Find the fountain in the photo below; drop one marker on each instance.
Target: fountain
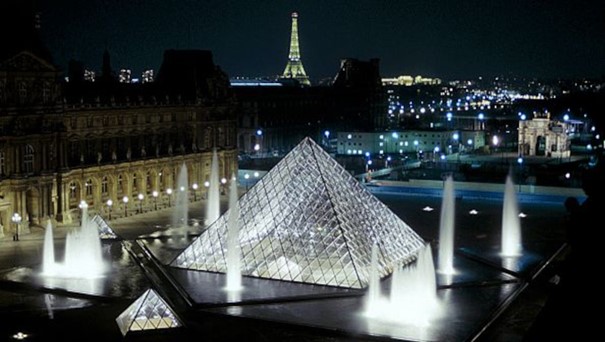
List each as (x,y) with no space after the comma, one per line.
(413,297)
(374,285)
(234,276)
(48,251)
(213,206)
(181,211)
(511,226)
(446,229)
(83,255)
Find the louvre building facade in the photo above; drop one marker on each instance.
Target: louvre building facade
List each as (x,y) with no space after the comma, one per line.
(117,146)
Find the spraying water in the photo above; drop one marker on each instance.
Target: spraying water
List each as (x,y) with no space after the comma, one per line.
(180,217)
(234,276)
(48,252)
(213,206)
(374,285)
(83,254)
(511,226)
(413,298)
(446,229)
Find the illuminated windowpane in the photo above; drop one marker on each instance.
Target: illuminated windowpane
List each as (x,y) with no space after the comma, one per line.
(148,312)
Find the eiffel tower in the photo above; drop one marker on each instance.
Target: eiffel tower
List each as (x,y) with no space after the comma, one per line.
(294,68)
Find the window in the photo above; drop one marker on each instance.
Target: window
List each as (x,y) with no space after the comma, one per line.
(2,163)
(148,182)
(134,183)
(88,187)
(72,190)
(120,189)
(104,185)
(28,159)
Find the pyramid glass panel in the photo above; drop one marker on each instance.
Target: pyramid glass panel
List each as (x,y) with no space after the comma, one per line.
(105,232)
(148,312)
(308,220)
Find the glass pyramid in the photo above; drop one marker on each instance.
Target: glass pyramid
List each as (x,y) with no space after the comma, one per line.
(148,312)
(308,220)
(105,232)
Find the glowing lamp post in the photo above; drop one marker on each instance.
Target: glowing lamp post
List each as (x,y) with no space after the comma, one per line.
(140,197)
(125,200)
(194,186)
(207,186)
(246,177)
(155,199)
(16,220)
(109,204)
(520,162)
(169,193)
(223,182)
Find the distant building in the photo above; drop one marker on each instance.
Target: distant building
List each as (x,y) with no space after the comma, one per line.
(147,76)
(406,80)
(103,142)
(89,75)
(542,136)
(286,113)
(408,141)
(125,76)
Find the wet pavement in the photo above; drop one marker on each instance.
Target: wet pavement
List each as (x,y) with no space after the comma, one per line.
(50,313)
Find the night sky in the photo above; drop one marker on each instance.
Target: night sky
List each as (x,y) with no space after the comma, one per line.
(438,38)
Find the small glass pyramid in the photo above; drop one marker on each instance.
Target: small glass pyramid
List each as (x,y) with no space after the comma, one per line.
(105,232)
(308,220)
(148,312)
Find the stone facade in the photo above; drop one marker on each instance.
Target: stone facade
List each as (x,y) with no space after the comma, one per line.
(542,136)
(61,144)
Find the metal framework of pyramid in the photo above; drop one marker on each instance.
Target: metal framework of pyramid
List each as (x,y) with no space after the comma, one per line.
(105,232)
(308,220)
(148,312)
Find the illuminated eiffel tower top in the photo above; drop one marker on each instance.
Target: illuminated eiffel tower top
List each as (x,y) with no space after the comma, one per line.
(294,68)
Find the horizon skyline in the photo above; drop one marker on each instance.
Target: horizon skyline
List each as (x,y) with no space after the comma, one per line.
(431,38)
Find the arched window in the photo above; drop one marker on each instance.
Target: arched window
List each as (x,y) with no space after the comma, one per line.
(120,185)
(28,159)
(148,182)
(72,190)
(104,186)
(2,163)
(134,183)
(88,187)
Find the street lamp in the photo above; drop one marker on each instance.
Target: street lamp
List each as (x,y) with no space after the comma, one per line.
(17,220)
(246,177)
(194,186)
(155,199)
(109,204)
(169,193)
(520,162)
(125,200)
(140,196)
(207,186)
(223,182)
